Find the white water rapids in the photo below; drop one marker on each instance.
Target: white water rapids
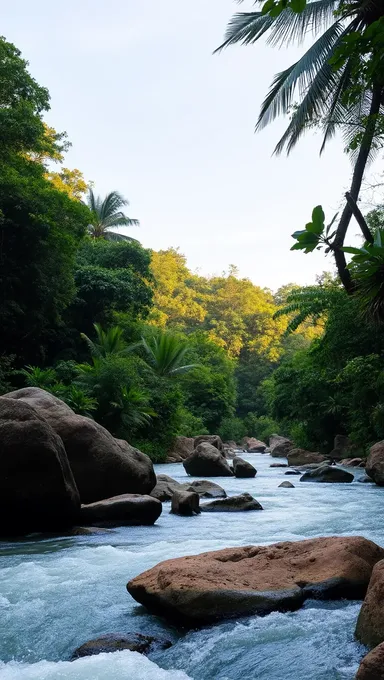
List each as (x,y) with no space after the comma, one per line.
(56,594)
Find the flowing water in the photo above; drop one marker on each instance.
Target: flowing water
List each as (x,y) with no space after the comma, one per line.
(56,594)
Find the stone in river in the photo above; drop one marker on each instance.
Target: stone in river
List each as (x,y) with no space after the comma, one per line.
(243,581)
(115,642)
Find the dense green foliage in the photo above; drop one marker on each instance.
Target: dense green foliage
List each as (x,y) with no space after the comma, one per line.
(151,350)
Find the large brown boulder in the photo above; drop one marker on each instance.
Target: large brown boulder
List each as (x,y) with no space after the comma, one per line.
(212,439)
(353,462)
(207,461)
(279,446)
(342,447)
(185,503)
(372,666)
(375,463)
(303,457)
(242,503)
(182,447)
(126,510)
(327,474)
(234,582)
(115,642)
(253,445)
(165,488)
(37,488)
(242,468)
(102,465)
(207,489)
(370,624)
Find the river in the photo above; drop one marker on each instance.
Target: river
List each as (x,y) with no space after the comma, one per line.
(56,594)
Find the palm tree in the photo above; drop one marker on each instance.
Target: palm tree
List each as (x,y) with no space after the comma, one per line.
(108,342)
(322,88)
(107,213)
(166,354)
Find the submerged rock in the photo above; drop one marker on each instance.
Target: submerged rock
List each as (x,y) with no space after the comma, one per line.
(116,642)
(207,461)
(292,472)
(375,463)
(353,462)
(202,589)
(241,503)
(372,666)
(185,503)
(279,446)
(278,465)
(370,623)
(329,474)
(286,485)
(125,510)
(37,488)
(303,457)
(242,468)
(101,465)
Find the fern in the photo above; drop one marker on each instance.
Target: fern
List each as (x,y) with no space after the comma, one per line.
(309,303)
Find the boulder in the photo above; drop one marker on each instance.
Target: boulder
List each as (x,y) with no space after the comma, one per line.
(229,453)
(243,581)
(253,445)
(37,488)
(278,465)
(182,447)
(327,473)
(370,623)
(241,503)
(207,489)
(342,446)
(207,461)
(372,666)
(375,463)
(242,468)
(125,510)
(212,439)
(102,465)
(166,487)
(352,462)
(286,485)
(115,642)
(279,446)
(185,503)
(302,457)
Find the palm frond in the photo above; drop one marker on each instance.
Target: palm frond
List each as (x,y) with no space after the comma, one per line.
(300,75)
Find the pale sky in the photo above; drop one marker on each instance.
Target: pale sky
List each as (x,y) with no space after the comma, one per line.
(151,113)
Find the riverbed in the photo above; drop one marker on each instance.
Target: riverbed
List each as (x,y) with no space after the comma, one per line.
(57,593)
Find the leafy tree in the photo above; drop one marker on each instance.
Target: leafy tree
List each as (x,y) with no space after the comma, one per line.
(40,230)
(339,79)
(22,102)
(72,182)
(106,214)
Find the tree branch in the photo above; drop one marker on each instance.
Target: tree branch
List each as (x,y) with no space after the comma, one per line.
(360,219)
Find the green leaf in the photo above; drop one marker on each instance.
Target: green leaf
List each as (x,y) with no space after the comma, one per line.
(298,5)
(267,6)
(297,234)
(298,246)
(318,217)
(353,251)
(314,228)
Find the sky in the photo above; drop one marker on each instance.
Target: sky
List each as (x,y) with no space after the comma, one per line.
(152,113)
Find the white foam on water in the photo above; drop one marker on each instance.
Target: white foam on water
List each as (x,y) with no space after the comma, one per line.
(118,666)
(56,594)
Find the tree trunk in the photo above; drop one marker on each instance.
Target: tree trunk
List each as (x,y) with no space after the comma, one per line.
(357,178)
